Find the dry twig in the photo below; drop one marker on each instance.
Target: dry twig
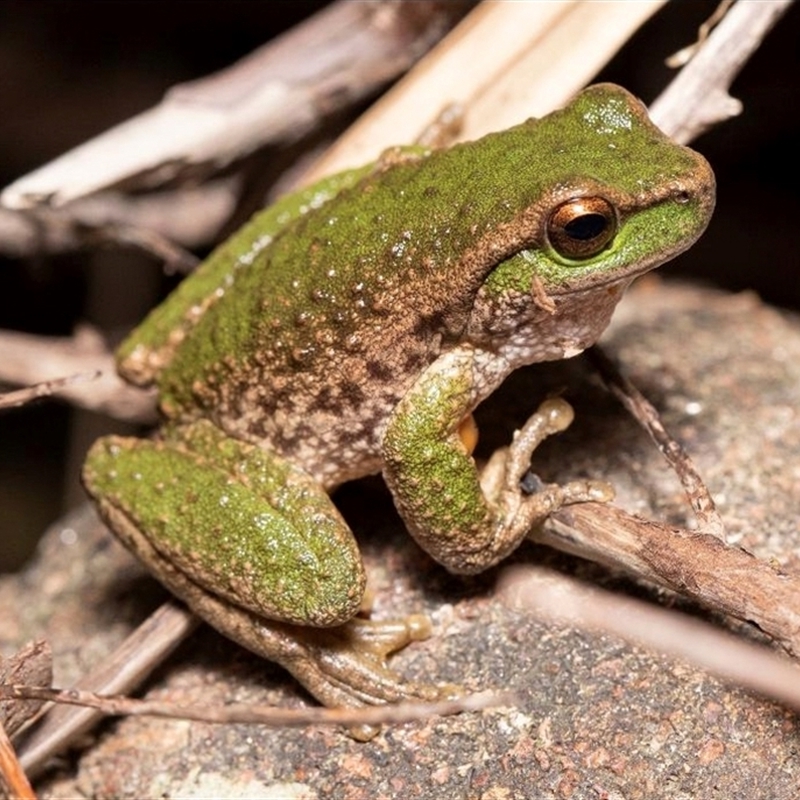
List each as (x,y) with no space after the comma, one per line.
(703,506)
(348,51)
(30,359)
(698,98)
(149,644)
(696,565)
(11,773)
(566,601)
(45,389)
(33,664)
(259,715)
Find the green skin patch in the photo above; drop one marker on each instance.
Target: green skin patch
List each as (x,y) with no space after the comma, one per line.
(422,440)
(253,528)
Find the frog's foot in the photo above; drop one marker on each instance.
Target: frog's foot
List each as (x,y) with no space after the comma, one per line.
(525,500)
(340,666)
(346,666)
(507,475)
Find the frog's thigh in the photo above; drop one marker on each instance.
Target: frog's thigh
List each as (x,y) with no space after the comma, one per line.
(238,521)
(430,471)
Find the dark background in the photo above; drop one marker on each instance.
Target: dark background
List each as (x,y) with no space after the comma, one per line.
(69,70)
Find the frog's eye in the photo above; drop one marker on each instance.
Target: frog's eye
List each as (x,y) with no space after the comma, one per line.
(582,227)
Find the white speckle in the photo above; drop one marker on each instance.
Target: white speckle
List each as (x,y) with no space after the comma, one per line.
(693,408)
(514,721)
(68,536)
(222,786)
(224,500)
(258,245)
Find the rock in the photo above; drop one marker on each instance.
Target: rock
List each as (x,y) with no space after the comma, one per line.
(597,718)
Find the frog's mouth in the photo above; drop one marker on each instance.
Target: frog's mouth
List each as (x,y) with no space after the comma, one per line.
(630,256)
(592,280)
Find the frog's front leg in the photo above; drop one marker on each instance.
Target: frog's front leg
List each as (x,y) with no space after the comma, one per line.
(255,547)
(466,521)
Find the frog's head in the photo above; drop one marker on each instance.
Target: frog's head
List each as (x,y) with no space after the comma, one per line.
(612,197)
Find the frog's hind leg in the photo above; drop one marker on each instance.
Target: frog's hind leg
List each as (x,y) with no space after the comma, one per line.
(240,521)
(257,549)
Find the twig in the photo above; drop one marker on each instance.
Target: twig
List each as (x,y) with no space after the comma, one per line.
(176,259)
(530,69)
(32,664)
(348,51)
(686,54)
(190,215)
(11,772)
(696,565)
(31,359)
(45,389)
(708,518)
(259,714)
(146,648)
(698,98)
(566,601)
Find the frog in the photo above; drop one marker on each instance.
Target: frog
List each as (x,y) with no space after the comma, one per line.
(352,328)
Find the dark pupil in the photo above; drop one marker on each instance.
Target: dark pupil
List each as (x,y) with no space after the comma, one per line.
(586,226)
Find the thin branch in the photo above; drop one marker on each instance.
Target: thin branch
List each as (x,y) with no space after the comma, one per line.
(696,565)
(640,408)
(566,601)
(22,397)
(190,215)
(11,772)
(272,95)
(698,98)
(131,662)
(31,664)
(259,714)
(530,69)
(31,359)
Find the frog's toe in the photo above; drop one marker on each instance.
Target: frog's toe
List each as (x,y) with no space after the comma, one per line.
(383,637)
(587,492)
(347,665)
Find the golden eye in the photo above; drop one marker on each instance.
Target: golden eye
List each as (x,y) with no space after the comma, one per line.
(582,227)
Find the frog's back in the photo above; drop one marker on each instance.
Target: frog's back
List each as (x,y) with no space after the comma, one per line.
(304,339)
(311,352)
(309,346)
